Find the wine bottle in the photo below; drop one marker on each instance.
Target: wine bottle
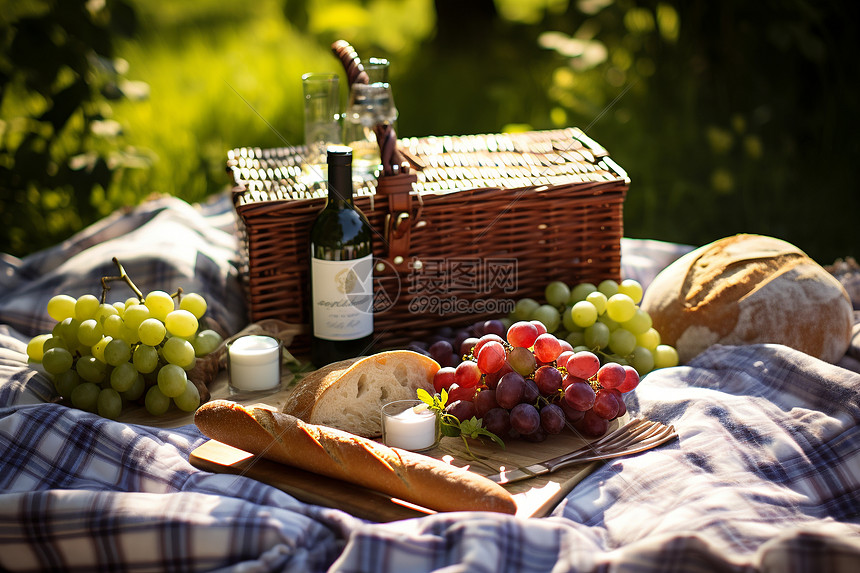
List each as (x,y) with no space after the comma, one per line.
(341,245)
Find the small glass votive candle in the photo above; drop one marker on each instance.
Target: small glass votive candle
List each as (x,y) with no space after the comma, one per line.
(410,425)
(254,363)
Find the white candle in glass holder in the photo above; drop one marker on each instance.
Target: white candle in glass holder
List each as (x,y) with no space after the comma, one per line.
(408,427)
(254,363)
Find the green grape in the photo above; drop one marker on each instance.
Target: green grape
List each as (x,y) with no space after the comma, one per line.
(120,308)
(598,299)
(631,288)
(85,396)
(159,303)
(89,332)
(648,339)
(61,307)
(194,303)
(132,300)
(122,377)
(190,366)
(189,400)
(130,335)
(145,358)
(134,315)
(105,310)
(136,390)
(36,347)
(117,351)
(567,320)
(156,402)
(66,382)
(178,351)
(171,380)
(608,287)
(611,324)
(112,326)
(642,360)
(576,338)
(522,361)
(583,314)
(639,324)
(620,307)
(57,360)
(54,342)
(579,292)
(206,342)
(548,315)
(524,308)
(596,336)
(86,307)
(151,331)
(98,349)
(91,369)
(665,356)
(557,293)
(68,329)
(181,323)
(622,341)
(109,404)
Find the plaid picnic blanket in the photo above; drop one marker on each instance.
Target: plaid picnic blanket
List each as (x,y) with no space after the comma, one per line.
(765,475)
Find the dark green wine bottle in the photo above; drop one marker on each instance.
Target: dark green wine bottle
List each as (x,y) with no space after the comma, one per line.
(341,292)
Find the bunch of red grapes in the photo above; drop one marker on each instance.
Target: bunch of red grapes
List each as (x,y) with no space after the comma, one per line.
(528,383)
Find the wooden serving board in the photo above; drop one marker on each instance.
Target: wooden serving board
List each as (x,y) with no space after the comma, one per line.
(535,497)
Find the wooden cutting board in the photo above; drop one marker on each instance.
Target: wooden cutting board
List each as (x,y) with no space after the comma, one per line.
(535,497)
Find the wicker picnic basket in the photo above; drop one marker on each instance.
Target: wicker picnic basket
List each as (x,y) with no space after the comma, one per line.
(467,226)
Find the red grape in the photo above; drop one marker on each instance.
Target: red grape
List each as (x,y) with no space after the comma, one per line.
(461,409)
(443,378)
(622,407)
(592,425)
(579,395)
(541,327)
(631,380)
(493,378)
(565,345)
(485,339)
(525,418)
(583,364)
(491,356)
(568,380)
(498,421)
(509,390)
(552,419)
(611,375)
(485,400)
(467,374)
(561,359)
(605,404)
(547,347)
(548,380)
(455,393)
(522,334)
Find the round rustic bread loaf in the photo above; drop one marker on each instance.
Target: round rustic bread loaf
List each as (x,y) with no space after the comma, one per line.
(749,289)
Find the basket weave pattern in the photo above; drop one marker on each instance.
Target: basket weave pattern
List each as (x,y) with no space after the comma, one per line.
(480,222)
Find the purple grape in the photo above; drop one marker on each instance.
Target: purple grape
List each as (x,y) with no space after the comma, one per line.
(571,413)
(494,327)
(485,400)
(440,350)
(579,395)
(552,418)
(510,389)
(498,421)
(467,344)
(461,409)
(592,425)
(530,392)
(525,419)
(548,380)
(605,404)
(537,436)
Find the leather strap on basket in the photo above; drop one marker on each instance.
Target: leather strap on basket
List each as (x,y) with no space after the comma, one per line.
(395,182)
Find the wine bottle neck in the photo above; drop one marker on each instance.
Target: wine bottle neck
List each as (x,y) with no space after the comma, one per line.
(340,175)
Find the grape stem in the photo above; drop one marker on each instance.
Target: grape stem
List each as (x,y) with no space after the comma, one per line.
(123,276)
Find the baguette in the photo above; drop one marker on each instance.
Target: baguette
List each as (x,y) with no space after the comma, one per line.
(409,476)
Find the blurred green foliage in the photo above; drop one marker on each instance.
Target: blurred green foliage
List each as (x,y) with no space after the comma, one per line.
(729,116)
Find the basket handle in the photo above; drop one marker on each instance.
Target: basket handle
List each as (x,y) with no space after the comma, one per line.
(395,182)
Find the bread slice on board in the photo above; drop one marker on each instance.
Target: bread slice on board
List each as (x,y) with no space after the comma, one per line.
(349,395)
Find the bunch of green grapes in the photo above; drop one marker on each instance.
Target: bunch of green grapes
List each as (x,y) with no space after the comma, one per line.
(605,319)
(102,356)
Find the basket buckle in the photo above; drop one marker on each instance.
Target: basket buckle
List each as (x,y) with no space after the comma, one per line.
(398,221)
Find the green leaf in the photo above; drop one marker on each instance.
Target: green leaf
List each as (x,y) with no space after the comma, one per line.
(425,397)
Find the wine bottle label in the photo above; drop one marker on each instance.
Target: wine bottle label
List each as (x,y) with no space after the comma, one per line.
(342,298)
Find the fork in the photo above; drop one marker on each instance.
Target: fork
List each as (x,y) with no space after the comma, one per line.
(634,437)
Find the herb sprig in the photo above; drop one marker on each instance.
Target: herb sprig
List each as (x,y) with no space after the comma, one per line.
(451,426)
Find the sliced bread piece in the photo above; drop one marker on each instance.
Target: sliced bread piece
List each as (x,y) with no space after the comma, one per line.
(349,395)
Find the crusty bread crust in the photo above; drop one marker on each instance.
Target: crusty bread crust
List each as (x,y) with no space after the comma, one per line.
(749,289)
(349,395)
(409,476)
